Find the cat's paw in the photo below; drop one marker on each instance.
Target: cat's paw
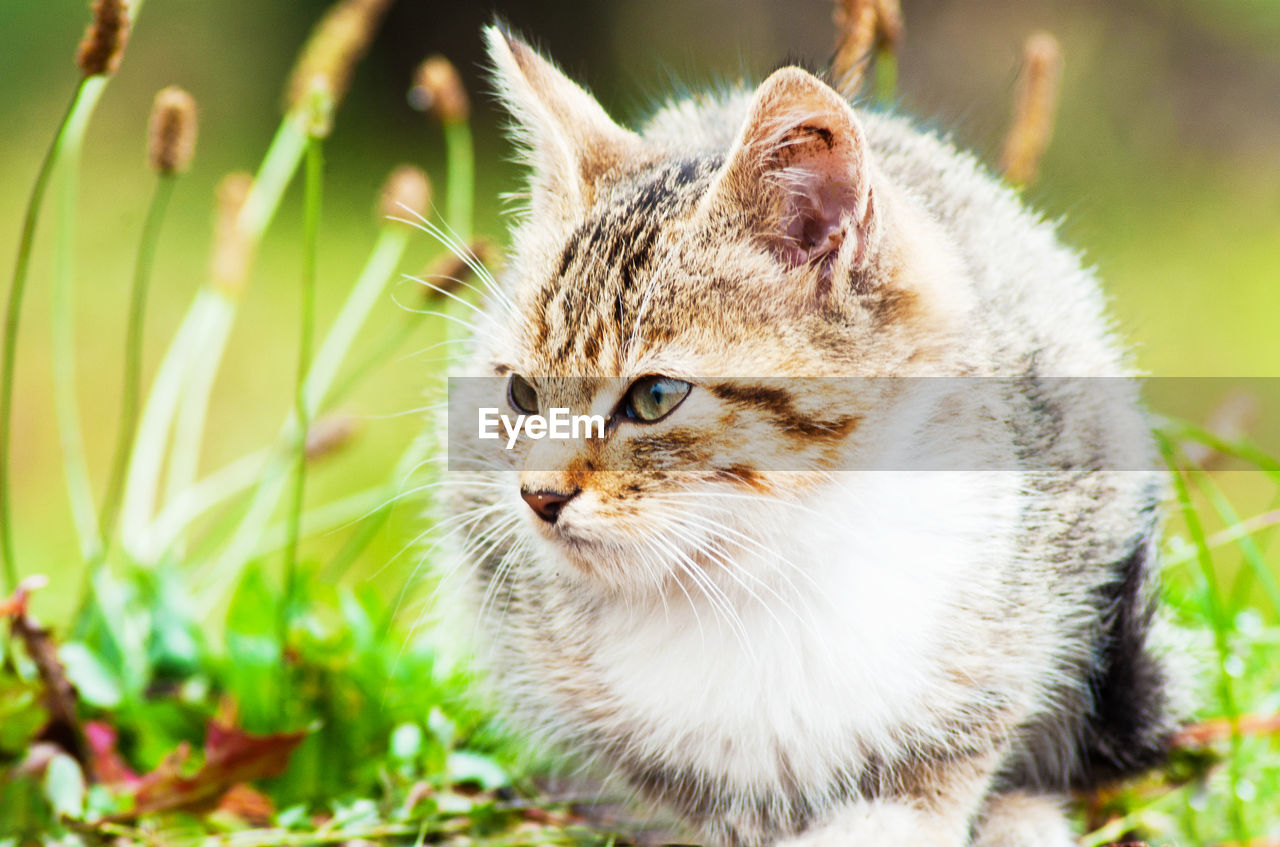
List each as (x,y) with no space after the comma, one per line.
(1018,819)
(880,824)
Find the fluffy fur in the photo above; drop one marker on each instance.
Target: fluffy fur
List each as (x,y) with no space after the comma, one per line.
(734,614)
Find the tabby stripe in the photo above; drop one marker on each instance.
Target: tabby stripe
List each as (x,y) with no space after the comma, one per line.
(778,403)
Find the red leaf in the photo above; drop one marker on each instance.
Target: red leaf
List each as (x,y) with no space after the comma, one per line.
(231,756)
(105,761)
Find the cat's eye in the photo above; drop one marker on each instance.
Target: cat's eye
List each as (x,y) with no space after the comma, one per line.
(652,398)
(522,396)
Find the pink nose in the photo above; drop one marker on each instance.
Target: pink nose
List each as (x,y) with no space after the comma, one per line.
(547,504)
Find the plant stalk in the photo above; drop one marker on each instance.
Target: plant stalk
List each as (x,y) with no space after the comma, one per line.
(193,408)
(1220,620)
(272,479)
(131,392)
(200,334)
(461,182)
(77,112)
(66,405)
(311,243)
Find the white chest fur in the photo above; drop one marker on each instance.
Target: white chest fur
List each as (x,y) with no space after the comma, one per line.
(835,640)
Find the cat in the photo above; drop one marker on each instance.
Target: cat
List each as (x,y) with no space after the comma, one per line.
(718,602)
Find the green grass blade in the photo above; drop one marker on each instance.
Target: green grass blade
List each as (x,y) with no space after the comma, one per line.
(80,105)
(461,180)
(75,466)
(1252,554)
(312,199)
(1219,620)
(132,384)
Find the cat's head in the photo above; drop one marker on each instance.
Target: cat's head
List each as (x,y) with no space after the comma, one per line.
(690,294)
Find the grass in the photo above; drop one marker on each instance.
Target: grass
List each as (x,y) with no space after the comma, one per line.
(314,157)
(69,131)
(320,713)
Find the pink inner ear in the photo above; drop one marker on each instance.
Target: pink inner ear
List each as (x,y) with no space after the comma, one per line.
(819,181)
(817,211)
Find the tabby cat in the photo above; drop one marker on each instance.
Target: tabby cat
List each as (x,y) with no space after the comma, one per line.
(753,600)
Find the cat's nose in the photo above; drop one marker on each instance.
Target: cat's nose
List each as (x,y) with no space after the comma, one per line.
(547,504)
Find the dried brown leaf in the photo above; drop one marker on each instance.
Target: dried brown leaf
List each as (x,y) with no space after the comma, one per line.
(249,805)
(231,756)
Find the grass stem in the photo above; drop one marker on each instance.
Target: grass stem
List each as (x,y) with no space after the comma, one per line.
(313,194)
(130,395)
(387,498)
(193,409)
(157,416)
(352,315)
(77,113)
(1220,620)
(886,83)
(460,184)
(393,240)
(63,354)
(203,334)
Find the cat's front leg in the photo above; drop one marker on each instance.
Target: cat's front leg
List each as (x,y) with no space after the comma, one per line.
(885,823)
(1019,819)
(935,806)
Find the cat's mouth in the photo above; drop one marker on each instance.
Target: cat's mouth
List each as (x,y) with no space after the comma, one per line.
(569,536)
(628,555)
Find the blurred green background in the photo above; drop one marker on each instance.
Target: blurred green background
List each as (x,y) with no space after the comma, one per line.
(1165,169)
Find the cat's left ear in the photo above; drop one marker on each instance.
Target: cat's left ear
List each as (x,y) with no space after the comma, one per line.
(570,141)
(800,176)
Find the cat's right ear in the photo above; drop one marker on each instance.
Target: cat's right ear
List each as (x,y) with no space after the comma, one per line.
(569,140)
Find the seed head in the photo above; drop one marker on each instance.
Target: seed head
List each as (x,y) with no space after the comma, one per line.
(171,131)
(437,88)
(336,44)
(1233,419)
(889,23)
(104,40)
(862,28)
(856,38)
(330,434)
(232,248)
(448,272)
(407,187)
(1033,109)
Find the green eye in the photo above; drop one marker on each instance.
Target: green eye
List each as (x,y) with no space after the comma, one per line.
(652,398)
(521,395)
